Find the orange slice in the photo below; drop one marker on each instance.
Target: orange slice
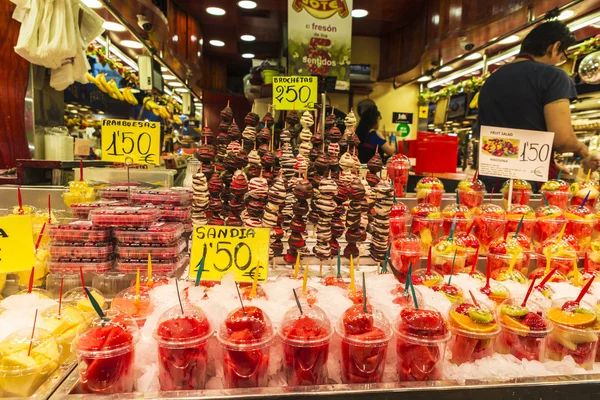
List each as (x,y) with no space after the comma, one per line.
(570,319)
(466,323)
(512,323)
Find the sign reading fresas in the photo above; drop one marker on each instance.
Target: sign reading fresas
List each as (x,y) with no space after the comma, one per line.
(122,138)
(16,244)
(295,92)
(515,153)
(227,249)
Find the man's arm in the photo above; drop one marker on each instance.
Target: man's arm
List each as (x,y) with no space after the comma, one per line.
(558,120)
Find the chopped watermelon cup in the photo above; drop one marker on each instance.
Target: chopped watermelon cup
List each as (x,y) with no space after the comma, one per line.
(549,222)
(365,337)
(513,219)
(427,220)
(557,193)
(580,223)
(430,190)
(105,352)
(489,222)
(399,216)
(579,191)
(471,194)
(421,338)
(182,341)
(524,329)
(521,192)
(575,333)
(406,249)
(457,212)
(246,336)
(444,254)
(474,331)
(397,168)
(306,339)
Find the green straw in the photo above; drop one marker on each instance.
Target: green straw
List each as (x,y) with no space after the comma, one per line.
(545,200)
(339,266)
(200,270)
(408,277)
(452,269)
(516,235)
(297,301)
(414,296)
(385,260)
(364,294)
(559,175)
(452,228)
(95,304)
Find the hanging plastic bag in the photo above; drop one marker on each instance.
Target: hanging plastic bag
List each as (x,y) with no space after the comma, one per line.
(91,25)
(29,34)
(21,9)
(62,77)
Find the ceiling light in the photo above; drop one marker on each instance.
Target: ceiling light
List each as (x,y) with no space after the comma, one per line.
(198,54)
(193,38)
(474,56)
(215,11)
(175,38)
(92,3)
(169,77)
(248,55)
(132,44)
(572,106)
(100,112)
(71,105)
(566,14)
(74,112)
(217,43)
(248,38)
(248,5)
(175,84)
(424,78)
(163,69)
(182,90)
(113,26)
(510,39)
(579,25)
(447,68)
(359,13)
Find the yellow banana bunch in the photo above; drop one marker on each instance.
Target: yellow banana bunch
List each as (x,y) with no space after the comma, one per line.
(102,84)
(177,119)
(164,113)
(149,104)
(114,92)
(129,97)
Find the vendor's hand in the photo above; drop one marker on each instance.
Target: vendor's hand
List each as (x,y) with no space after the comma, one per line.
(583,151)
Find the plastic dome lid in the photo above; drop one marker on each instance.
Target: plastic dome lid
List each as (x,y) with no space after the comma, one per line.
(311,328)
(177,330)
(127,301)
(490,209)
(468,184)
(399,159)
(518,184)
(76,295)
(509,246)
(549,212)
(71,315)
(247,328)
(559,248)
(532,306)
(451,209)
(423,325)
(429,182)
(473,326)
(42,344)
(517,210)
(110,336)
(406,243)
(426,210)
(554,185)
(374,318)
(587,308)
(445,247)
(40,293)
(575,212)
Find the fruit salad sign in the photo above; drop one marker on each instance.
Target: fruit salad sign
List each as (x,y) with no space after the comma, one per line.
(515,153)
(320,39)
(227,249)
(16,244)
(122,138)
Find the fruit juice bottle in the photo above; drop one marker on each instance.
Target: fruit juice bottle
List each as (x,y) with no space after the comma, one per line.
(457,212)
(580,223)
(421,338)
(430,190)
(306,338)
(105,352)
(406,249)
(575,333)
(521,192)
(427,220)
(556,193)
(561,253)
(138,306)
(246,336)
(549,222)
(474,331)
(523,329)
(579,191)
(513,219)
(501,253)
(63,326)
(397,168)
(182,343)
(444,254)
(489,222)
(471,194)
(365,337)
(22,371)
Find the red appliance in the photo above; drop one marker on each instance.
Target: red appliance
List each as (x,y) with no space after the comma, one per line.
(436,153)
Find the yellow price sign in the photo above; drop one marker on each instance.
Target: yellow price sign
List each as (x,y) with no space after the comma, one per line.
(122,138)
(295,92)
(16,244)
(423,111)
(227,249)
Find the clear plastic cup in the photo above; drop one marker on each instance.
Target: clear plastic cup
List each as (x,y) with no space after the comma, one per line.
(22,372)
(40,293)
(429,279)
(556,193)
(445,254)
(399,217)
(471,194)
(457,212)
(246,338)
(471,340)
(77,298)
(397,168)
(569,339)
(579,191)
(562,254)
(404,298)
(593,254)
(365,337)
(549,222)
(182,343)
(580,224)
(524,330)
(305,340)
(513,219)
(426,224)
(105,351)
(421,338)
(308,297)
(452,292)
(521,192)
(497,292)
(63,326)
(138,306)
(489,222)
(406,249)
(430,190)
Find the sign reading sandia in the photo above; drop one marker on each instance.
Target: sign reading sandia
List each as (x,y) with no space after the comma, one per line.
(320,39)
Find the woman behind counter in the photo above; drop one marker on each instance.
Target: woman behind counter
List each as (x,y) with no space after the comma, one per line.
(370,138)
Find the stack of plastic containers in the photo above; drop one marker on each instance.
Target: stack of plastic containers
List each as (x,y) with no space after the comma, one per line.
(175,205)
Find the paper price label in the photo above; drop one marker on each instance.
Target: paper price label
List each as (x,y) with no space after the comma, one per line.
(123,138)
(515,153)
(295,92)
(16,244)
(227,249)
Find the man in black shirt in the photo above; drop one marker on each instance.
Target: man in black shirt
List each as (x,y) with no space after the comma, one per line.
(531,93)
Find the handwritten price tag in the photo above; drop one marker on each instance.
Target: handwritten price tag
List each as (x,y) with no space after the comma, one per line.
(515,153)
(295,92)
(16,244)
(123,138)
(230,249)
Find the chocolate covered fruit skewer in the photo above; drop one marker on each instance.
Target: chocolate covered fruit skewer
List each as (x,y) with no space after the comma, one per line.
(276,200)
(304,146)
(356,193)
(215,205)
(296,242)
(199,199)
(325,206)
(380,232)
(256,200)
(238,188)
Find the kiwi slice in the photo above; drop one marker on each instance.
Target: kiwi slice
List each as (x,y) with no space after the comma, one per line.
(480,316)
(580,310)
(514,311)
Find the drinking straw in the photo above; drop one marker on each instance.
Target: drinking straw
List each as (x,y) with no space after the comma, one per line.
(297,301)
(488,272)
(576,274)
(82,280)
(200,270)
(412,221)
(474,262)
(516,235)
(457,199)
(364,293)
(40,236)
(562,232)
(241,301)
(510,192)
(585,263)
(428,270)
(385,260)
(339,265)
(149,283)
(452,228)
(137,286)
(30,286)
(585,200)
(491,194)
(585,289)
(297,266)
(95,304)
(32,333)
(178,295)
(587,178)
(305,279)
(20,200)
(352,287)
(62,280)
(81,170)
(513,260)
(559,175)
(473,298)
(414,295)
(545,200)
(452,268)
(548,276)
(470,228)
(524,303)
(475,176)
(49,211)
(408,277)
